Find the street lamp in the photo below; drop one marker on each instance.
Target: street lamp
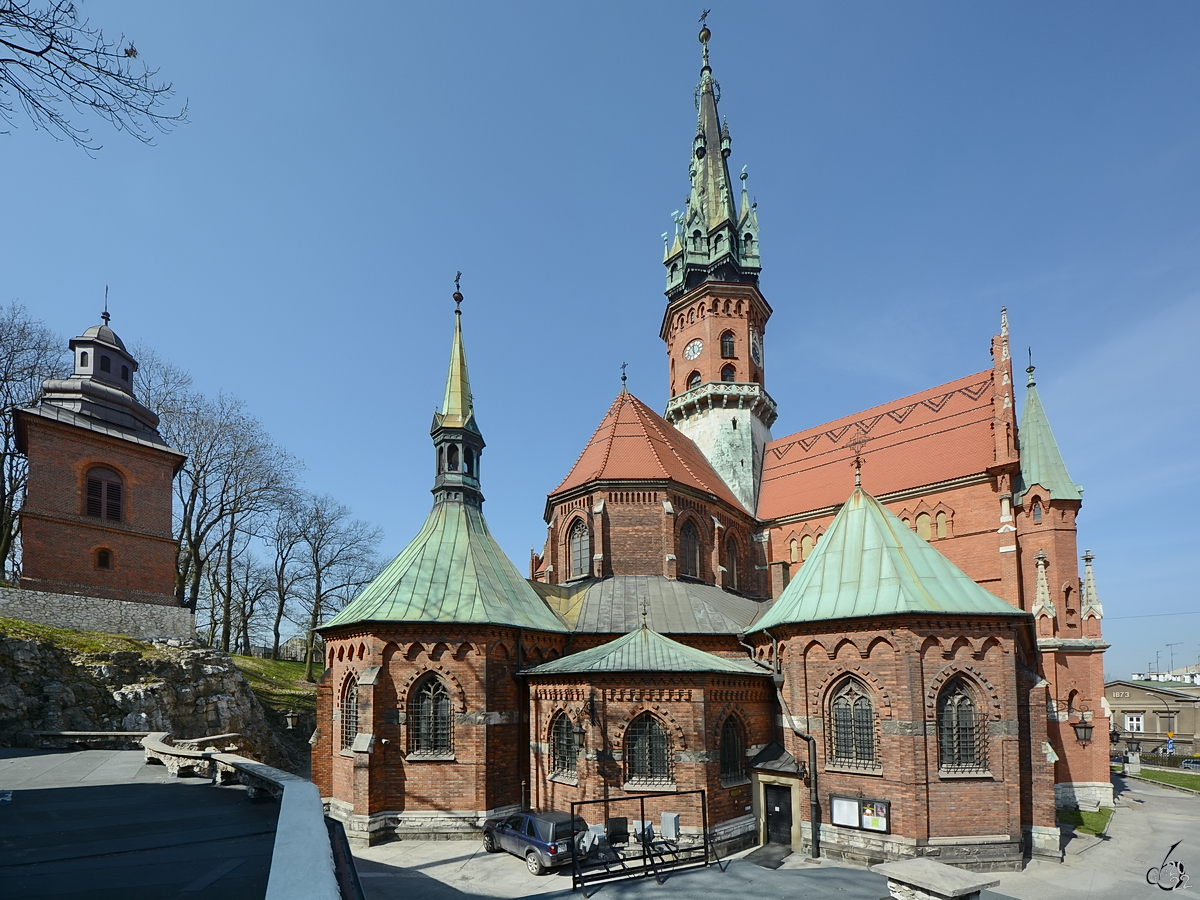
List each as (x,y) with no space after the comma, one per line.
(1083,732)
(291,717)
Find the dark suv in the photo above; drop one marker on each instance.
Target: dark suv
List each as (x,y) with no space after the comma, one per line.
(543,839)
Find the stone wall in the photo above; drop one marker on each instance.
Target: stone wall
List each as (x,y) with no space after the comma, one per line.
(143,621)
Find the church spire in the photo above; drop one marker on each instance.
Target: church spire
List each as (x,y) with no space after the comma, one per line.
(1041,460)
(713,242)
(456,437)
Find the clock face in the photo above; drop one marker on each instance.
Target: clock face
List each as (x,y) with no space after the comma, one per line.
(756,348)
(692,350)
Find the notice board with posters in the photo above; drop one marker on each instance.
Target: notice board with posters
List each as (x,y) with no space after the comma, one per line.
(861,813)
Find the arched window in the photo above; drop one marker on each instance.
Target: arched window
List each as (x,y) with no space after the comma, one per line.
(104,559)
(563,750)
(441,458)
(853,718)
(104,494)
(674,270)
(693,380)
(124,373)
(647,751)
(942,522)
(727,345)
(728,374)
(468,461)
(349,713)
(795,552)
(728,307)
(691,315)
(105,364)
(83,359)
(731,564)
(718,244)
(923,526)
(429,724)
(581,549)
(748,242)
(1037,512)
(733,756)
(452,458)
(806,546)
(960,733)
(689,550)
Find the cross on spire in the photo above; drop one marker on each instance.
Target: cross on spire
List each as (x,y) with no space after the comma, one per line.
(623,377)
(104,315)
(857,443)
(458,297)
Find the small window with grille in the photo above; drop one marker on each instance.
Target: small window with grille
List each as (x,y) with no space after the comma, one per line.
(581,550)
(962,740)
(647,752)
(689,550)
(104,559)
(563,755)
(430,732)
(731,564)
(733,756)
(104,498)
(728,374)
(349,713)
(853,738)
(728,349)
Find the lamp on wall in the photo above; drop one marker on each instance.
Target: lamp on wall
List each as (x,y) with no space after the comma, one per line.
(1083,732)
(291,717)
(1084,727)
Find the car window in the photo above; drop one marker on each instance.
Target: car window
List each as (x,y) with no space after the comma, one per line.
(530,830)
(514,822)
(565,830)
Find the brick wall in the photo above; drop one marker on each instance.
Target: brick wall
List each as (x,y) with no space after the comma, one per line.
(132,619)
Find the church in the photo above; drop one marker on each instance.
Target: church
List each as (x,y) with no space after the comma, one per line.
(870,639)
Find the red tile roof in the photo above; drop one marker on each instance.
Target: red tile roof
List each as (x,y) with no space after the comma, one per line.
(909,444)
(635,443)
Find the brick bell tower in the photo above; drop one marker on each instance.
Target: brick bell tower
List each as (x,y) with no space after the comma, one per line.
(97,513)
(716,316)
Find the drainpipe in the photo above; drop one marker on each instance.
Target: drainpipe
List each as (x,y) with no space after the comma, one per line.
(814,803)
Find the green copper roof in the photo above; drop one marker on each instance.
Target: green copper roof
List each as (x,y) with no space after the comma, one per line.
(869,563)
(1041,461)
(453,571)
(458,408)
(643,650)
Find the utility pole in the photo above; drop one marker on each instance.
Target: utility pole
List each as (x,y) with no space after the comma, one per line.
(1171,647)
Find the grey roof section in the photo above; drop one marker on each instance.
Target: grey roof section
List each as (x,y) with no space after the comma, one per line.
(644,650)
(103,334)
(774,758)
(145,437)
(614,606)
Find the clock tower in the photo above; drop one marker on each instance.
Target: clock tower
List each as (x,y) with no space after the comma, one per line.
(716,316)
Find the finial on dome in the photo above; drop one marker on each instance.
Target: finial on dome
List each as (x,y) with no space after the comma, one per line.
(458,297)
(104,315)
(705,34)
(857,444)
(1031,368)
(623,377)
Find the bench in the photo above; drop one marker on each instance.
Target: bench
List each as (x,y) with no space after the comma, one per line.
(926,879)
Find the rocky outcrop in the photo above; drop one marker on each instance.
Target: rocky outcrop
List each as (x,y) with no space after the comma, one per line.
(186,691)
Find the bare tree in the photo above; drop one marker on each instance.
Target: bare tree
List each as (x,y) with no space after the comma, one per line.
(340,557)
(160,385)
(29,354)
(283,538)
(52,62)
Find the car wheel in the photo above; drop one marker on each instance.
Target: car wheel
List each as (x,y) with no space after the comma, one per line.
(489,842)
(534,863)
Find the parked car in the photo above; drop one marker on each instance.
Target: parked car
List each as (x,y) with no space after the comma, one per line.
(543,839)
(1192,763)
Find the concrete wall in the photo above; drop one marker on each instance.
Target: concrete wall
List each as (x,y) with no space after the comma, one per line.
(135,620)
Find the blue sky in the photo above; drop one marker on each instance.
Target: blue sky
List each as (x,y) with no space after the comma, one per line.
(917,166)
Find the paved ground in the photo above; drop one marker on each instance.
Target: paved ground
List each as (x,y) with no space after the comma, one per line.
(1148,820)
(100,824)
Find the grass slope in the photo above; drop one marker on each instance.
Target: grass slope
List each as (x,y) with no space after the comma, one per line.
(71,640)
(279,684)
(1085,822)
(1179,779)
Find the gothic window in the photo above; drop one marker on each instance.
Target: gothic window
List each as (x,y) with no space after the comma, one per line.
(83,360)
(727,345)
(960,729)
(105,364)
(581,549)
(923,526)
(1037,512)
(691,316)
(942,523)
(429,722)
(795,552)
(562,746)
(728,307)
(349,713)
(647,751)
(689,550)
(731,564)
(440,459)
(468,461)
(748,241)
(103,559)
(806,546)
(853,726)
(104,494)
(674,270)
(693,380)
(452,458)
(733,757)
(696,241)
(718,244)
(728,374)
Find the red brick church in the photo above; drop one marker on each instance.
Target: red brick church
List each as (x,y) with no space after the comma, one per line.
(876,624)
